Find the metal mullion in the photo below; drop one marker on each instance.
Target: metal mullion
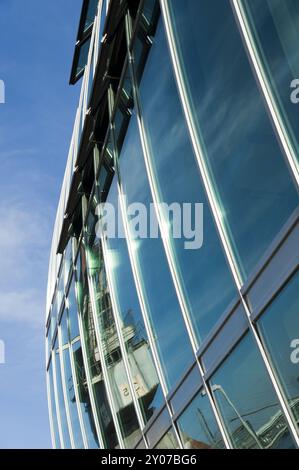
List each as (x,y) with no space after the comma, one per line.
(76,136)
(50,405)
(77,397)
(88,68)
(77,121)
(225,243)
(85,88)
(167,246)
(135,273)
(173,425)
(56,400)
(117,320)
(108,387)
(97,34)
(266,88)
(68,416)
(89,384)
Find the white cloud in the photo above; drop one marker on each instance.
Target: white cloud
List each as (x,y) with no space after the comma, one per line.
(25,231)
(24,306)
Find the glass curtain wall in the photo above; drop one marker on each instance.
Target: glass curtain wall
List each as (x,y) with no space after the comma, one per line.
(251,182)
(247,401)
(197,425)
(53,407)
(279,328)
(199,258)
(60,399)
(93,356)
(145,379)
(274,25)
(165,315)
(118,379)
(84,398)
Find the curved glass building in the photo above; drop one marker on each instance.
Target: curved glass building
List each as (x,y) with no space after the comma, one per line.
(150,344)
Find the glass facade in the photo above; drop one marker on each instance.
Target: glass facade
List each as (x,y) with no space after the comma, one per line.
(274,26)
(277,326)
(161,334)
(197,425)
(145,379)
(171,172)
(234,129)
(247,401)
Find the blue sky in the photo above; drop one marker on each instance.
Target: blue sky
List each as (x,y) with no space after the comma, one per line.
(36,47)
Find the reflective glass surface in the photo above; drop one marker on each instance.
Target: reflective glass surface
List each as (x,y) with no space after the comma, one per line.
(198,427)
(91,13)
(83,57)
(202,267)
(67,261)
(247,401)
(73,311)
(93,359)
(71,399)
(164,312)
(248,173)
(64,328)
(53,324)
(84,399)
(49,341)
(103,19)
(61,403)
(275,28)
(53,407)
(59,297)
(168,441)
(123,402)
(146,382)
(279,327)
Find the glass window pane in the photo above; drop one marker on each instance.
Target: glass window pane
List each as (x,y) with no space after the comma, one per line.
(93,359)
(202,269)
(162,304)
(123,402)
(61,403)
(59,297)
(91,13)
(49,340)
(279,327)
(198,427)
(103,19)
(53,407)
(71,398)
(148,389)
(67,261)
(247,401)
(275,27)
(73,311)
(53,324)
(249,175)
(85,404)
(83,57)
(64,328)
(168,441)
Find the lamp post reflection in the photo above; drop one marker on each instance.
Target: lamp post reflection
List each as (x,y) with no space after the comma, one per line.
(219,388)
